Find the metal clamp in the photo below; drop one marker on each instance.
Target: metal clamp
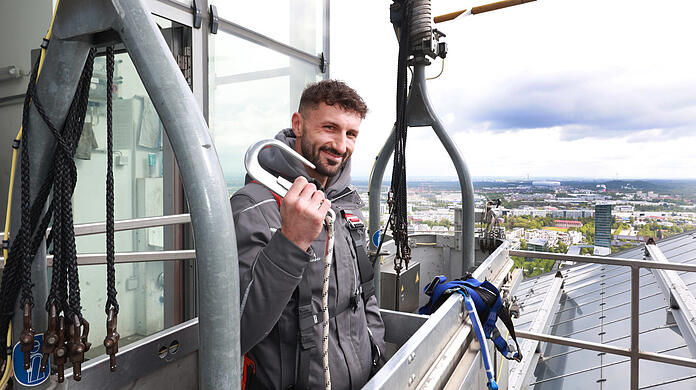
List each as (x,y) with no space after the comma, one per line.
(277,184)
(214,21)
(197,14)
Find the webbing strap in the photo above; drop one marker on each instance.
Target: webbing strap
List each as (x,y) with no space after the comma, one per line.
(367,274)
(305,316)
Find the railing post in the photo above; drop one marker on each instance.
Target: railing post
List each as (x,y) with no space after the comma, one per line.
(635,328)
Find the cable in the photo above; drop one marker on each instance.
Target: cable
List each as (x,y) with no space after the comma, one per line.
(442,69)
(500,368)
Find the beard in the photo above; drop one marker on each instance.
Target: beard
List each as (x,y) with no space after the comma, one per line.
(313,153)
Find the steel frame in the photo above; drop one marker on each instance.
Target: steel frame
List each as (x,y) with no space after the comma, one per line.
(634,352)
(520,372)
(434,353)
(80,24)
(420,113)
(682,303)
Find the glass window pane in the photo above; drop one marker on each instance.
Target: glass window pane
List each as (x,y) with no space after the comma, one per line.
(138,192)
(298,23)
(250,100)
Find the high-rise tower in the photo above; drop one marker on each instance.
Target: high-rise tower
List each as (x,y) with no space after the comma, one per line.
(603,225)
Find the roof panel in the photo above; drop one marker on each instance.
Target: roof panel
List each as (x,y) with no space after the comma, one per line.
(595,306)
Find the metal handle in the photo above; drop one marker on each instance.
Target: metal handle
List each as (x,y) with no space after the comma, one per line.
(276,184)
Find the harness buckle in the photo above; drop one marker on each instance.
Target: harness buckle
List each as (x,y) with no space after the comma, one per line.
(354,222)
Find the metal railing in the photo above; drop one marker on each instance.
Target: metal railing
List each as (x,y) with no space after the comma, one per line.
(86,229)
(633,352)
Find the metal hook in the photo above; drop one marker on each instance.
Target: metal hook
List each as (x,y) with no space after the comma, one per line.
(61,352)
(276,184)
(26,338)
(112,336)
(51,337)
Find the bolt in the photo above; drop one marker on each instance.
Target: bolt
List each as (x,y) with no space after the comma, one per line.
(411,357)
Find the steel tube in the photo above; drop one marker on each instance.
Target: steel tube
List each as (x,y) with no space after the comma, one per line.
(270,43)
(676,292)
(419,91)
(635,326)
(130,257)
(86,229)
(133,257)
(606,260)
(655,357)
(206,190)
(374,198)
(519,373)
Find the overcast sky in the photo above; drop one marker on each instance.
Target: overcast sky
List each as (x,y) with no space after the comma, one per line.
(552,88)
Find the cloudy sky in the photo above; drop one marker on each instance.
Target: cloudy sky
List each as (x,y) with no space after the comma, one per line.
(552,88)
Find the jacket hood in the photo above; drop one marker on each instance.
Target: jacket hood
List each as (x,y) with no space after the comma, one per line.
(275,161)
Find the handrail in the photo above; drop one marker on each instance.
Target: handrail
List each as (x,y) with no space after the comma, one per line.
(633,352)
(129,257)
(131,224)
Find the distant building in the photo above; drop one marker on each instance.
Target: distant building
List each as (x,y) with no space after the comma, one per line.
(537,244)
(561,223)
(603,225)
(546,183)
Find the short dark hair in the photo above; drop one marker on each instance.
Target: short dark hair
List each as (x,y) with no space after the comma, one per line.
(332,92)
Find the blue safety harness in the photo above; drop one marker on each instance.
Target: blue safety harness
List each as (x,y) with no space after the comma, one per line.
(489,307)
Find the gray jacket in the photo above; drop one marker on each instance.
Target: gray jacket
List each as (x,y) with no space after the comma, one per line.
(271,268)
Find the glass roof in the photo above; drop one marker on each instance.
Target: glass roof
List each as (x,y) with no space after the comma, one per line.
(595,306)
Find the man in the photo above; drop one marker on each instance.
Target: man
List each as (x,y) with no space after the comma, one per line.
(281,246)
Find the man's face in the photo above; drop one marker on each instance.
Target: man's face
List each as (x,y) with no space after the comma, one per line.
(326,137)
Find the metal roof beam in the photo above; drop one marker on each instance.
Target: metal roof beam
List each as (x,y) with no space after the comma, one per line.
(520,373)
(682,303)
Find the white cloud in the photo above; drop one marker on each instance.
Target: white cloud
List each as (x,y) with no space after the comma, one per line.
(558,87)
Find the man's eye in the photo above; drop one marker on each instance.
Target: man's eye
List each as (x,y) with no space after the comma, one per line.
(329,127)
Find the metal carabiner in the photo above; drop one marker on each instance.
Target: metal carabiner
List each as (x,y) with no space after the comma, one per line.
(276,184)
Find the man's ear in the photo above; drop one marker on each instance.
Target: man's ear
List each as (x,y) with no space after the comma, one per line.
(297,124)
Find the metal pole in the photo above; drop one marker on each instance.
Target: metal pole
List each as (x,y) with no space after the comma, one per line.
(204,185)
(635,301)
(421,113)
(374,197)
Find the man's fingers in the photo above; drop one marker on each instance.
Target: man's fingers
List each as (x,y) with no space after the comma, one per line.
(297,186)
(308,191)
(317,197)
(324,208)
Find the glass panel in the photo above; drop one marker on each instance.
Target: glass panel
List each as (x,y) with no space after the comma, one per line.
(298,23)
(582,381)
(250,100)
(138,192)
(616,376)
(569,362)
(654,373)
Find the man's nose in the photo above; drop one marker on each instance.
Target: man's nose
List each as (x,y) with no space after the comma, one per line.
(339,142)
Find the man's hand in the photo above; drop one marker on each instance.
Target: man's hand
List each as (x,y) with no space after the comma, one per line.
(302,213)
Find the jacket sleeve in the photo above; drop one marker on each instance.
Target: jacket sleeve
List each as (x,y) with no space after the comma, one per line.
(270,268)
